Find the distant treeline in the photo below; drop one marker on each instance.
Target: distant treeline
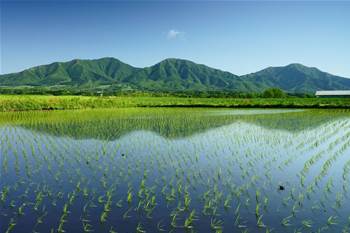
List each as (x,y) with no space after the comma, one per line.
(269,93)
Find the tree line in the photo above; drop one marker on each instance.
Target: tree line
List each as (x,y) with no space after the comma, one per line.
(268,93)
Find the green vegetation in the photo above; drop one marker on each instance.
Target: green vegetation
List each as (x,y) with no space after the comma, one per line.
(115,91)
(274,93)
(175,170)
(111,124)
(32,102)
(171,75)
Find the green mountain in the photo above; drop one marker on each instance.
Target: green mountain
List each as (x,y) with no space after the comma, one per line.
(179,75)
(297,78)
(172,75)
(76,73)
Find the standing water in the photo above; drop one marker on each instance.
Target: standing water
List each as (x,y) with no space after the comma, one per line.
(175,170)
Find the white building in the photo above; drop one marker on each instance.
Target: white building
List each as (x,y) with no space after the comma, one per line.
(335,93)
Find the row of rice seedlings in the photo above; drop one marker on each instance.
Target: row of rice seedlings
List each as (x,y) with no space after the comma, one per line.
(178,165)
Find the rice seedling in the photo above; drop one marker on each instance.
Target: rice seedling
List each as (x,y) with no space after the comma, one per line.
(87,227)
(190,219)
(192,168)
(332,220)
(160,226)
(259,222)
(129,197)
(187,201)
(286,221)
(11,225)
(140,229)
(307,223)
(127,213)
(174,216)
(216,225)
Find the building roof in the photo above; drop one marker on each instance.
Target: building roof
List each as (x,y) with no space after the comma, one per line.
(335,92)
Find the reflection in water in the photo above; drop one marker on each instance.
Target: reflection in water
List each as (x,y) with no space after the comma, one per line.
(171,123)
(178,170)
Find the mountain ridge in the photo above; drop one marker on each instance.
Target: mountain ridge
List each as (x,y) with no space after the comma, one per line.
(173,74)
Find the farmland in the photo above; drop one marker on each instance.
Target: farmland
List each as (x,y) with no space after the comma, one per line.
(175,170)
(37,102)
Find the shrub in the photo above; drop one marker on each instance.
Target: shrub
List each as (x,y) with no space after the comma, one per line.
(273,93)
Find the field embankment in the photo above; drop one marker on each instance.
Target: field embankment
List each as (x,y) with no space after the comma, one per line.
(30,102)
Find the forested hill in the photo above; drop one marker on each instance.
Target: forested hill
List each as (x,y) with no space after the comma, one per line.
(173,75)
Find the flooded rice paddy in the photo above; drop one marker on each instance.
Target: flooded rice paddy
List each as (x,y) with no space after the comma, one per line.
(175,170)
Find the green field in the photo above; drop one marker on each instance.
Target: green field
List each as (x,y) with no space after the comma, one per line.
(32,102)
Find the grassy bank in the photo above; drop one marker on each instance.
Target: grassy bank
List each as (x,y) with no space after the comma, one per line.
(31,102)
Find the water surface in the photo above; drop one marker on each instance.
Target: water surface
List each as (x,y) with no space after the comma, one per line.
(175,170)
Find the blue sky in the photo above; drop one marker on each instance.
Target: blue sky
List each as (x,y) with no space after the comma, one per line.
(240,37)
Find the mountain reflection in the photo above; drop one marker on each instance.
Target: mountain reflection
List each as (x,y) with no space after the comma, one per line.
(110,124)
